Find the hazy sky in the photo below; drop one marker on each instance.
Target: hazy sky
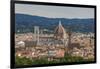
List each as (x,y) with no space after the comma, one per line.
(54,11)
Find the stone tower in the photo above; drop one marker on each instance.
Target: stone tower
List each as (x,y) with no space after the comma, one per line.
(36,34)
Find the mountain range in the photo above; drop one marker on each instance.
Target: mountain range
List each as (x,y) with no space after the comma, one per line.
(26,23)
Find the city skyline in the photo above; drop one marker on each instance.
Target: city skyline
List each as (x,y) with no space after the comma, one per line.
(50,34)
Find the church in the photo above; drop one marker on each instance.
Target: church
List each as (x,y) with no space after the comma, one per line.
(59,38)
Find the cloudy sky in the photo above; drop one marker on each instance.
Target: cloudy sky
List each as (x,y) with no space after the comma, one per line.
(54,11)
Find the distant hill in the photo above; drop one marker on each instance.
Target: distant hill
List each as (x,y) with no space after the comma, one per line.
(26,23)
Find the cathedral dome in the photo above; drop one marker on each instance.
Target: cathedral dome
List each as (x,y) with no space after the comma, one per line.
(60,32)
